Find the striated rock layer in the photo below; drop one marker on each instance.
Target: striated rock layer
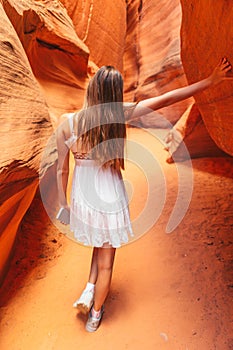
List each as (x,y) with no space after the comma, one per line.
(48,36)
(206,35)
(25,128)
(132,49)
(152,55)
(66,42)
(58,57)
(101,25)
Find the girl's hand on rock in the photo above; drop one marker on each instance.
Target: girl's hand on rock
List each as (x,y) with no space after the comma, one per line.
(222,71)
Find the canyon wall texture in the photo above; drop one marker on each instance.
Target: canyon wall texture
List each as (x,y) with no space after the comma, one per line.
(25,127)
(152,63)
(48,36)
(101,25)
(206,36)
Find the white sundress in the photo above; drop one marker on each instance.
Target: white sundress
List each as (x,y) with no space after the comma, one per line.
(99,212)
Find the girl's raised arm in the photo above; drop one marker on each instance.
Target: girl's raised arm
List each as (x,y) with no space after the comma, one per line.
(219,74)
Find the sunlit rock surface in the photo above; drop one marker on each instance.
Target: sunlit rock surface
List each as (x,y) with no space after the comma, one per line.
(101,25)
(152,55)
(48,36)
(58,57)
(25,128)
(206,36)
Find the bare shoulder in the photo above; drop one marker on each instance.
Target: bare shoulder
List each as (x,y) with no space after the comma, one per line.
(63,127)
(64,118)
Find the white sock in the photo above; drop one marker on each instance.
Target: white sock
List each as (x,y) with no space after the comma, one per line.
(94,313)
(90,286)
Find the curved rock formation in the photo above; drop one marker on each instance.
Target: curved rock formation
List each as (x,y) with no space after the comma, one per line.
(48,36)
(132,49)
(58,57)
(206,35)
(65,43)
(190,139)
(25,128)
(152,55)
(101,25)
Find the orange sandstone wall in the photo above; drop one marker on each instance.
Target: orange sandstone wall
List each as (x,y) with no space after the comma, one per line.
(132,49)
(101,25)
(48,36)
(206,36)
(25,127)
(66,42)
(152,55)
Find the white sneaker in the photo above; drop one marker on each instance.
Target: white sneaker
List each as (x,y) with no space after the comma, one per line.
(85,301)
(93,322)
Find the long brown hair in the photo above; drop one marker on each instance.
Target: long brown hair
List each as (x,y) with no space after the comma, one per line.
(101,123)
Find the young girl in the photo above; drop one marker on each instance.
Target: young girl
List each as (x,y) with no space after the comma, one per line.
(98,213)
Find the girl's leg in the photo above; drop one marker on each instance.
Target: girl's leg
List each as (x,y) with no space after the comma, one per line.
(94,267)
(85,301)
(105,260)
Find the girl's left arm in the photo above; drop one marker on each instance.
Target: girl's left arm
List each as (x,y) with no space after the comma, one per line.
(62,171)
(219,74)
